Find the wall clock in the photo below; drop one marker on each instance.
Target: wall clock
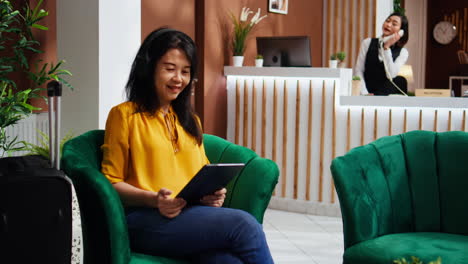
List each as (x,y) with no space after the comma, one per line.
(444,32)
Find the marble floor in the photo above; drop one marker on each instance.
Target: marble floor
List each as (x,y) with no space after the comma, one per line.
(303,239)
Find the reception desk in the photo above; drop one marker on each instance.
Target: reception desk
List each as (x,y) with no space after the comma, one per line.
(304,117)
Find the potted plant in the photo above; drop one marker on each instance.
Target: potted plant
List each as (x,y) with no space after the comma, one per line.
(259,60)
(341,57)
(17,42)
(356,85)
(333,61)
(241,30)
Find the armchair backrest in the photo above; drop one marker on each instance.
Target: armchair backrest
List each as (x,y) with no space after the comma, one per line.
(412,182)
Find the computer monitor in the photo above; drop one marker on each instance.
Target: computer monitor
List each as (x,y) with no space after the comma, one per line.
(291,51)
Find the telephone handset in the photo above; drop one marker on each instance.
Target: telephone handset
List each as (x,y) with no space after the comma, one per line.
(401,32)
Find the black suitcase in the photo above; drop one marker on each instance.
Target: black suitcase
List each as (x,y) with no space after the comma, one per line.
(36,204)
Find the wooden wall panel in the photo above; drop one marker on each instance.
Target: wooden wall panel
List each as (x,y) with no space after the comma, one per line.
(347,24)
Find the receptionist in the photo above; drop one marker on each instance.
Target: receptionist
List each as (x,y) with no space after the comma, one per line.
(380,59)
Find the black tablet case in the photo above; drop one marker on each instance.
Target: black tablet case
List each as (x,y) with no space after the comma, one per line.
(209,179)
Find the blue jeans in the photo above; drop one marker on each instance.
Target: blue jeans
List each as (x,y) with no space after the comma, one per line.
(200,233)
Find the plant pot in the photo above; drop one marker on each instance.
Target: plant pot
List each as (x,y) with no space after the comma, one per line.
(258,62)
(356,87)
(237,61)
(333,64)
(342,64)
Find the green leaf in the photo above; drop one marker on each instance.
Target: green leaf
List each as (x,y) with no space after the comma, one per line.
(40,27)
(64,72)
(36,9)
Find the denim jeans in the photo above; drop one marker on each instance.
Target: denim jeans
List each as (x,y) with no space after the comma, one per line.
(200,233)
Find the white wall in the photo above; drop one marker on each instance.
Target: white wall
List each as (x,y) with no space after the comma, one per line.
(99,40)
(120,38)
(384,8)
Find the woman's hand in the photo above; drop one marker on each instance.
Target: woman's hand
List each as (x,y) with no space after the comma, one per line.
(394,39)
(169,207)
(216,199)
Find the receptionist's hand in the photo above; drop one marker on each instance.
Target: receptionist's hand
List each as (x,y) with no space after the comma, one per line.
(169,207)
(216,199)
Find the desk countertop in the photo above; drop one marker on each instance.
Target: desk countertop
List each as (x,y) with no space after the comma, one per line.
(403,101)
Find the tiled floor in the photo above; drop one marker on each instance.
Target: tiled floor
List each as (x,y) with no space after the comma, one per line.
(303,239)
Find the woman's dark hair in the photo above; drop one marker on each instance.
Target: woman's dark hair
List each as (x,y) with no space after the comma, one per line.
(404,25)
(140,86)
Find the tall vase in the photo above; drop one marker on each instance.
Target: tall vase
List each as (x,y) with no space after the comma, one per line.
(237,61)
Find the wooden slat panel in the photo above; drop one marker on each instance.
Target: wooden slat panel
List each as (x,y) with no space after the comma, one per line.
(246,114)
(465,19)
(405,121)
(296,143)
(329,27)
(464,121)
(366,18)
(449,123)
(333,139)
(375,124)
(460,28)
(322,143)
(344,7)
(347,24)
(336,33)
(457,20)
(373,17)
(348,130)
(420,120)
(362,127)
(285,137)
(275,127)
(275,122)
(350,35)
(309,141)
(358,25)
(254,117)
(236,136)
(264,100)
(390,122)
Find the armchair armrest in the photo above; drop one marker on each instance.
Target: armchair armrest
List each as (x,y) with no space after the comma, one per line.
(251,190)
(103,240)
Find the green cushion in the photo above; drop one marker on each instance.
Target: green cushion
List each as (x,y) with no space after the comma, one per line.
(426,246)
(103,221)
(413,182)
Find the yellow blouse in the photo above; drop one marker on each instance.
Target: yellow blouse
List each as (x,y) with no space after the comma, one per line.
(141,150)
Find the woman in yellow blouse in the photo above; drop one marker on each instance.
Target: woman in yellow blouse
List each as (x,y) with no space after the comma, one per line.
(153,147)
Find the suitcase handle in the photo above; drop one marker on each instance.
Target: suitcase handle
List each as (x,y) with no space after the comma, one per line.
(54,92)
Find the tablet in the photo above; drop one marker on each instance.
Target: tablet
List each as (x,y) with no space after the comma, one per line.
(208,180)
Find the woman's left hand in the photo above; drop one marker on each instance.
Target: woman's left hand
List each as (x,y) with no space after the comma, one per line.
(216,199)
(394,39)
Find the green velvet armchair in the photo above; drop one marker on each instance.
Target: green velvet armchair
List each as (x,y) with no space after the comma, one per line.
(405,195)
(103,221)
